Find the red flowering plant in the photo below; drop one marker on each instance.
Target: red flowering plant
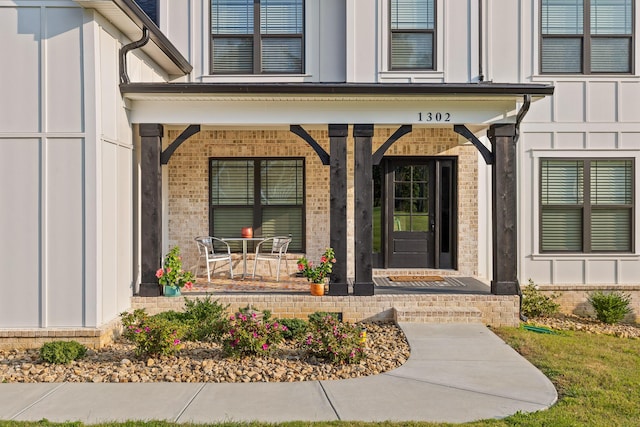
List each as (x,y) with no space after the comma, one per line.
(317,274)
(172,274)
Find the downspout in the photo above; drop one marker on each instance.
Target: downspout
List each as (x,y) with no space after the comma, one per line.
(124,77)
(480,41)
(521,113)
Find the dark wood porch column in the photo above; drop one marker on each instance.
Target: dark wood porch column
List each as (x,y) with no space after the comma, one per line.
(363,190)
(338,207)
(504,203)
(151,207)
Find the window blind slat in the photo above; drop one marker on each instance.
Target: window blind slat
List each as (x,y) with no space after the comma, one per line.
(611,182)
(561,55)
(412,50)
(562,182)
(562,230)
(412,15)
(281,55)
(562,17)
(231,55)
(610,55)
(611,230)
(281,221)
(611,17)
(281,17)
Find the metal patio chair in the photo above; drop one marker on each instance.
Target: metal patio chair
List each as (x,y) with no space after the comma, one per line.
(210,255)
(279,246)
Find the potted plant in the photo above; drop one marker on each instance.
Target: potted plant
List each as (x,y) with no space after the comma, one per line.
(317,274)
(171,276)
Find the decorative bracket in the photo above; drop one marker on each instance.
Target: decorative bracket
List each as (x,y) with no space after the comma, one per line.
(186,134)
(487,155)
(324,157)
(399,133)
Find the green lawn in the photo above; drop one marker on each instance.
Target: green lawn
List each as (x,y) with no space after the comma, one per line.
(597,377)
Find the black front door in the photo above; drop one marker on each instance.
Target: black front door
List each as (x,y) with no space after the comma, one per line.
(414,220)
(411,204)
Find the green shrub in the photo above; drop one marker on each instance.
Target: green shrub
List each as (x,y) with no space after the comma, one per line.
(610,307)
(536,304)
(153,335)
(296,328)
(248,335)
(319,316)
(335,341)
(62,351)
(206,320)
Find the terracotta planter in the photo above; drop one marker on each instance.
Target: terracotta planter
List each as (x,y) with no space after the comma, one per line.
(246,232)
(317,289)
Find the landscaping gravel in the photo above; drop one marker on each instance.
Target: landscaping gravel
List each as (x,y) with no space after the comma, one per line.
(576,323)
(387,348)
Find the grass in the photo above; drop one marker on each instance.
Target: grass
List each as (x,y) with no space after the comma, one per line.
(597,378)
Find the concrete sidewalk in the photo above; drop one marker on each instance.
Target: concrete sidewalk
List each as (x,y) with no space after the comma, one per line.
(456,373)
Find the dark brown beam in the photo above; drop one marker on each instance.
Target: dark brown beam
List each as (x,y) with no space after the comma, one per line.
(151,207)
(338,207)
(504,203)
(363,190)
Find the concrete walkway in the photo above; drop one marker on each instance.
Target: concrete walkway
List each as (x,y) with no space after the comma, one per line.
(456,373)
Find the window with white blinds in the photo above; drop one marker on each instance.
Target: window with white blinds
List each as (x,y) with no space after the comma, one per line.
(257,36)
(587,205)
(266,194)
(586,36)
(412,34)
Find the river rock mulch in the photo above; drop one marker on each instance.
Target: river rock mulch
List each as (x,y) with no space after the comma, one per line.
(387,348)
(575,323)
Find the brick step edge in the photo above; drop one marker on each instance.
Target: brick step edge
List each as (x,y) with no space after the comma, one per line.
(436,314)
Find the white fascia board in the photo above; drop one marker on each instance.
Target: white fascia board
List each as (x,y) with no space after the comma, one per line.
(283,111)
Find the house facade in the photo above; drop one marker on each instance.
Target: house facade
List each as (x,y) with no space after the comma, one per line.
(496,139)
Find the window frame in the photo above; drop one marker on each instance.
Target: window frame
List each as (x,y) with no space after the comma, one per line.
(433,32)
(257,38)
(586,38)
(587,207)
(257,206)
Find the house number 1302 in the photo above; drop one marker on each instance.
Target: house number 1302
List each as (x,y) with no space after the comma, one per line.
(434,117)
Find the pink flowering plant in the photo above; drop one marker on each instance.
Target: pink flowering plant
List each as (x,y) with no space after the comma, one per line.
(317,274)
(172,274)
(334,341)
(152,335)
(247,335)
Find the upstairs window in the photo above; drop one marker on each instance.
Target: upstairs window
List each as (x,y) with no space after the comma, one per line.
(587,36)
(412,34)
(587,205)
(257,36)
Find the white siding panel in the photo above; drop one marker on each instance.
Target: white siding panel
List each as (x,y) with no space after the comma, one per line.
(629,272)
(124,249)
(629,101)
(108,84)
(603,106)
(20,232)
(570,140)
(64,232)
(569,271)
(629,140)
(109,231)
(603,140)
(20,69)
(540,271)
(537,140)
(540,111)
(601,271)
(569,97)
(64,77)
(503,28)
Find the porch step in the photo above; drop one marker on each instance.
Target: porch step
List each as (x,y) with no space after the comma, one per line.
(436,314)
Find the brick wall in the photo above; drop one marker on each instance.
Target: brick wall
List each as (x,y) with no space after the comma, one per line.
(573,299)
(188,182)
